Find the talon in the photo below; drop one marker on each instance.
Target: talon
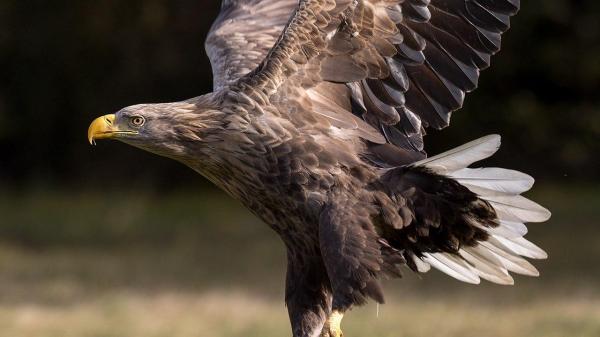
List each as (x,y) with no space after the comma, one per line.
(332,327)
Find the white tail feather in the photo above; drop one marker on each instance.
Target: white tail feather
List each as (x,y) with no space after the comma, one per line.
(509,229)
(517,208)
(492,259)
(462,156)
(513,263)
(453,266)
(494,180)
(522,246)
(487,266)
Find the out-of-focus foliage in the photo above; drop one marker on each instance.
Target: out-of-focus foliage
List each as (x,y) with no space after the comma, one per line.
(64,62)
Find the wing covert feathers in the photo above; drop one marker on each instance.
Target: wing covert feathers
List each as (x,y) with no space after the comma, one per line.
(409,63)
(504,248)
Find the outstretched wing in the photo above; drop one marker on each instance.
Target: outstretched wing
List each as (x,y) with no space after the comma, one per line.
(404,64)
(243,34)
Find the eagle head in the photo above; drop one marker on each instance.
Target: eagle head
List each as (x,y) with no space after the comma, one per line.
(173,130)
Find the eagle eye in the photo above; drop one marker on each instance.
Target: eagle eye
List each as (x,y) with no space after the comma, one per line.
(137,121)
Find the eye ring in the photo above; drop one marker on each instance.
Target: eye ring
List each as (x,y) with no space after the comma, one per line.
(137,121)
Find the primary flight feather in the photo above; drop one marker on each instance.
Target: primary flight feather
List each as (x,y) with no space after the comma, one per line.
(316,125)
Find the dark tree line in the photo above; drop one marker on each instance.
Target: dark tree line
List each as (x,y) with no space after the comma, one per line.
(64,62)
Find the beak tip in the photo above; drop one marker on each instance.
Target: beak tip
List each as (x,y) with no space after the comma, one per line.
(91,138)
(100,128)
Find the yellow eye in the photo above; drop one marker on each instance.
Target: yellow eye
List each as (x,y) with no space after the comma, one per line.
(137,121)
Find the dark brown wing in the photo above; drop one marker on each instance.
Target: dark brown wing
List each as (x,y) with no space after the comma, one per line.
(407,64)
(446,44)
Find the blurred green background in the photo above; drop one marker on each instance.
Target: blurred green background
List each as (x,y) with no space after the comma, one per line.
(110,241)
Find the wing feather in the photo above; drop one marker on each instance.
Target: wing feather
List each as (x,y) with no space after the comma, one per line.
(408,63)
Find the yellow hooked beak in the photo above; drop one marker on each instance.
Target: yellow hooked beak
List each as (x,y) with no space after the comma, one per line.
(104,128)
(101,128)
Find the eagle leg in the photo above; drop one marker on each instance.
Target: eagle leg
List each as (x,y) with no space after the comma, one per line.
(308,295)
(332,327)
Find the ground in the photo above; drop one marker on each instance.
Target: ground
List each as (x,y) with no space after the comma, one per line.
(106,265)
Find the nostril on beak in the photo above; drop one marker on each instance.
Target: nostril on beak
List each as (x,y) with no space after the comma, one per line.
(108,121)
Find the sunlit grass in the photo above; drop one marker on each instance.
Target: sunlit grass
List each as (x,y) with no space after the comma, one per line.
(179,314)
(124,264)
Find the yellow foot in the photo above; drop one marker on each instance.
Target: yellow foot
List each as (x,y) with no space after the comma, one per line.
(332,325)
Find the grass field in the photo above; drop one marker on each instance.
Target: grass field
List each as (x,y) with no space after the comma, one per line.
(125,264)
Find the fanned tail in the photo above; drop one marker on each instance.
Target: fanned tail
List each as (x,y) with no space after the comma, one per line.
(505,247)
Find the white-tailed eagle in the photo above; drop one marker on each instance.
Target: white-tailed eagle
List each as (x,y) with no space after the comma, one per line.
(316,124)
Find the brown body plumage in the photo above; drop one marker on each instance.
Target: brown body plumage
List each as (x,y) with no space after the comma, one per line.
(316,125)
